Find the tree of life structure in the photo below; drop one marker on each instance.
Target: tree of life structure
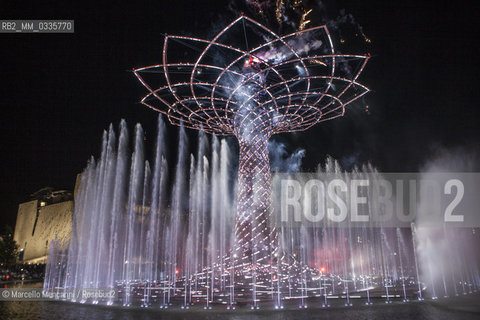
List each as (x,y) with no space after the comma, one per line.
(252,83)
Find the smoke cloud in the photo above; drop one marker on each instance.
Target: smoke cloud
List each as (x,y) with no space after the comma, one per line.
(281,161)
(447,252)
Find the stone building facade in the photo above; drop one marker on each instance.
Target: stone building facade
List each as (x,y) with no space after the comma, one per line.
(46,217)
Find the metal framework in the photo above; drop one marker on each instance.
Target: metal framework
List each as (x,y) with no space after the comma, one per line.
(252,83)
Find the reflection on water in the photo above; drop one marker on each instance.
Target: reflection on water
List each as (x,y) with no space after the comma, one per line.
(465,307)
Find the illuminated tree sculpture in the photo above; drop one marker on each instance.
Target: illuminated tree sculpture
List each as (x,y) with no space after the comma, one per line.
(252,83)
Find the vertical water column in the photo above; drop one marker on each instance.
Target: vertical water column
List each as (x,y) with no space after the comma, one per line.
(203,197)
(143,213)
(191,251)
(214,234)
(103,204)
(400,246)
(116,241)
(154,230)
(86,228)
(225,209)
(194,248)
(135,189)
(414,241)
(173,235)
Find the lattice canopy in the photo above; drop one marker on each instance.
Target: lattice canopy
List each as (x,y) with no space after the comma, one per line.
(290,82)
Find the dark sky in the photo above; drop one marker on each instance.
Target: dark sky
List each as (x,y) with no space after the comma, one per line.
(59,91)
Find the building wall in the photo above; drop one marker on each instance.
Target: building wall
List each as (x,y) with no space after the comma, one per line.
(34,232)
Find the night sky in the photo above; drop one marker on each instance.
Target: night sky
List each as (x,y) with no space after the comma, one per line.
(59,92)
